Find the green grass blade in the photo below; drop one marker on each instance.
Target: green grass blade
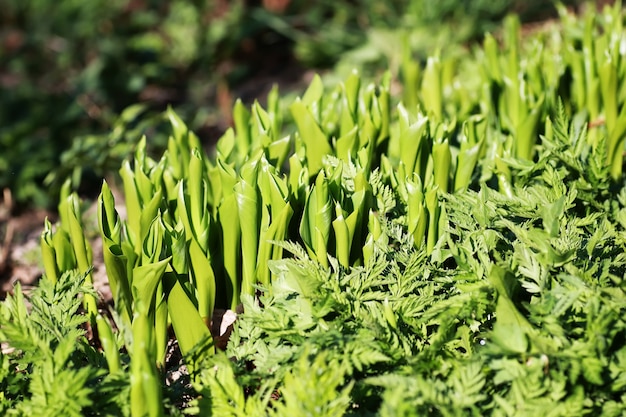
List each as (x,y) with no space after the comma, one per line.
(241,119)
(432,206)
(315,141)
(442,159)
(133,205)
(185,140)
(145,386)
(197,188)
(109,346)
(146,278)
(48,253)
(342,237)
(82,252)
(417,217)
(228,218)
(314,92)
(278,151)
(248,207)
(204,279)
(114,259)
(189,327)
(412,139)
(431,88)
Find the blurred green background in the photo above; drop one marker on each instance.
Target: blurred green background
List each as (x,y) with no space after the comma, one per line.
(81,81)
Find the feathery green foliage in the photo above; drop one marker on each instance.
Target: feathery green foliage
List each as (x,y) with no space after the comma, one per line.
(462,256)
(49,367)
(520,311)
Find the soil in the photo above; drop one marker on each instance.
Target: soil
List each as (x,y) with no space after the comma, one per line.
(19,245)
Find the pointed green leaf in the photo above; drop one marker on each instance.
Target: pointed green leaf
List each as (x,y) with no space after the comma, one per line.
(204,279)
(189,327)
(249,217)
(314,92)
(315,141)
